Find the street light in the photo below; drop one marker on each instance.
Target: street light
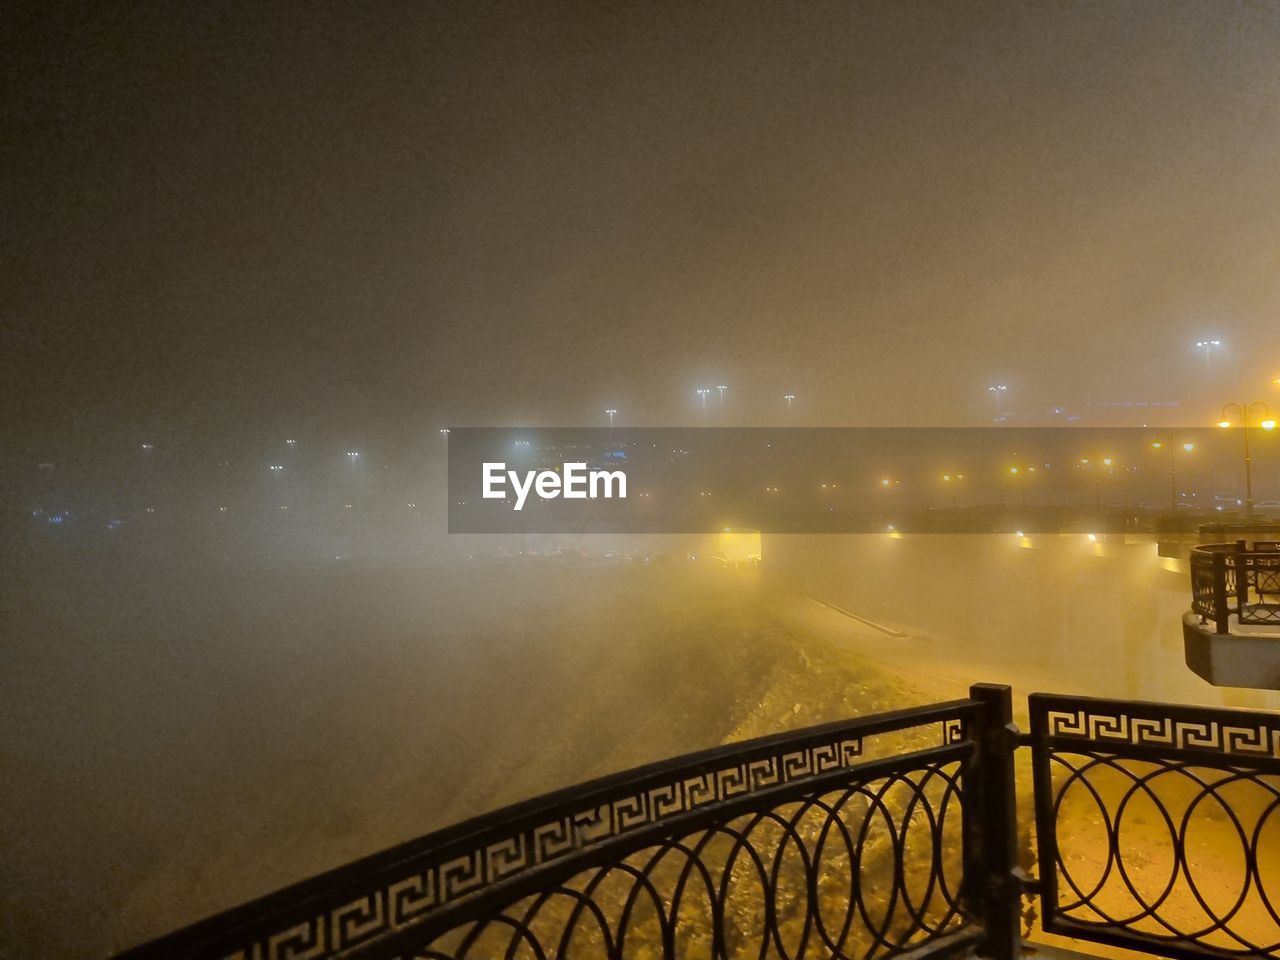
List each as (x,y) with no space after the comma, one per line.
(1021,474)
(1246,411)
(722,388)
(612,414)
(951,481)
(791,396)
(1166,441)
(997,391)
(1208,347)
(703,393)
(1104,462)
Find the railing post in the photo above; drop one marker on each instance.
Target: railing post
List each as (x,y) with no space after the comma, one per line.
(1221,612)
(1242,578)
(992,878)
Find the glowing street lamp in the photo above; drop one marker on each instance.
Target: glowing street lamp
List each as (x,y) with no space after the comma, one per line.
(1166,441)
(998,391)
(703,393)
(1017,471)
(1247,412)
(612,413)
(1097,467)
(722,388)
(791,396)
(1208,346)
(951,481)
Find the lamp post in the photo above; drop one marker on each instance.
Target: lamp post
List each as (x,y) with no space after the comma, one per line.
(1208,347)
(1246,412)
(1097,468)
(951,481)
(997,391)
(1166,441)
(722,388)
(703,393)
(1019,472)
(791,396)
(612,413)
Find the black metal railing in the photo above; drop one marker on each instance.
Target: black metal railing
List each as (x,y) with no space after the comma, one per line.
(854,839)
(1157,829)
(1236,580)
(1158,826)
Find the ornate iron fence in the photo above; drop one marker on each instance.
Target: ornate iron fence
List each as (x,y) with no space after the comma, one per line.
(1157,829)
(856,839)
(1228,579)
(1158,826)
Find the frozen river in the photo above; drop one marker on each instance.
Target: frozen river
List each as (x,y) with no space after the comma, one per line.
(177,741)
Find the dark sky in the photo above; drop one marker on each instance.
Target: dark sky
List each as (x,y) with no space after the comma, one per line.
(340,221)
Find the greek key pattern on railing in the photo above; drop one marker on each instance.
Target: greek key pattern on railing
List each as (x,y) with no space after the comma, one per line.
(867,869)
(1253,739)
(1158,825)
(411,897)
(381,906)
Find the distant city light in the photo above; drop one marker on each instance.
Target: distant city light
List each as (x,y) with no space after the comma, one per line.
(291,443)
(353,454)
(148,446)
(612,413)
(1208,346)
(444,431)
(276,467)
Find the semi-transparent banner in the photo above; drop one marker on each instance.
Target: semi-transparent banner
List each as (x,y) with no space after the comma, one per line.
(859,480)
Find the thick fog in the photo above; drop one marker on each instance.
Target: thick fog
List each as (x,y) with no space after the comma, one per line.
(183,736)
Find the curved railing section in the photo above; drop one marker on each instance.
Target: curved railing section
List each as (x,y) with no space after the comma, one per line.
(1158,825)
(852,839)
(1234,580)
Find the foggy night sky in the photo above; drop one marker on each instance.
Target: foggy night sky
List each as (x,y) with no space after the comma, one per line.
(220,220)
